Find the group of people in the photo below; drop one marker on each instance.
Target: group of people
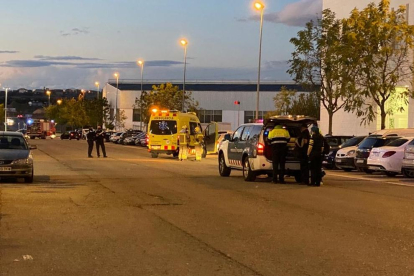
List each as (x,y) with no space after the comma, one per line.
(309,149)
(97,137)
(185,140)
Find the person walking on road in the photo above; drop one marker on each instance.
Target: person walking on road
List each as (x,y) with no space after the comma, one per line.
(315,151)
(90,138)
(302,143)
(100,141)
(279,137)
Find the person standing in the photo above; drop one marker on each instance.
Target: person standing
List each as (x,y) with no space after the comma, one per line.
(315,151)
(302,142)
(90,138)
(198,143)
(100,141)
(279,137)
(184,139)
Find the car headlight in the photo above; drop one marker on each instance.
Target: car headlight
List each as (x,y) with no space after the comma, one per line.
(26,161)
(351,153)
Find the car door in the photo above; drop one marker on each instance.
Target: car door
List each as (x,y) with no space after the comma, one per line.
(210,137)
(234,147)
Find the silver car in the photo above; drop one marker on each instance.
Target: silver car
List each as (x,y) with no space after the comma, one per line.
(16,160)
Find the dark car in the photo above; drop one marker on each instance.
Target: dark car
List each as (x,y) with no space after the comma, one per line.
(16,160)
(70,135)
(127,134)
(365,147)
(335,143)
(108,135)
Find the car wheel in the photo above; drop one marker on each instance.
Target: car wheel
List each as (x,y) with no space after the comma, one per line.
(391,174)
(154,155)
(248,174)
(348,170)
(408,173)
(223,169)
(298,177)
(368,171)
(29,179)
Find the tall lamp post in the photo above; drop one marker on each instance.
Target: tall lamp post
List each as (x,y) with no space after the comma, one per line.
(141,63)
(59,102)
(116,99)
(97,85)
(260,7)
(184,43)
(5,110)
(48,93)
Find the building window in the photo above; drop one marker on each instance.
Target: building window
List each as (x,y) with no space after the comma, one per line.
(208,116)
(136,115)
(249,116)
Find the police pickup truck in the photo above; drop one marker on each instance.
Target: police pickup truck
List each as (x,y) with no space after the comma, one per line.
(249,150)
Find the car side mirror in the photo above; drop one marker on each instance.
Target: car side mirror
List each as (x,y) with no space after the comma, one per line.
(33,147)
(227,137)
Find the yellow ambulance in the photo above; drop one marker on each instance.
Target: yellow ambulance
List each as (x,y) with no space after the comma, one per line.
(164,128)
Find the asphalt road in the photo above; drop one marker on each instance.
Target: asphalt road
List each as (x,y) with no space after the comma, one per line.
(130,214)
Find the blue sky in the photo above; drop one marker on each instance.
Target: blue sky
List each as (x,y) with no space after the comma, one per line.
(65,44)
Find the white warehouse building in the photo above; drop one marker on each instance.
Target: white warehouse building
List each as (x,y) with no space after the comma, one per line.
(216,99)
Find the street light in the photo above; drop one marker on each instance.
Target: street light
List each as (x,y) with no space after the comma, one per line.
(184,43)
(59,102)
(97,85)
(260,7)
(48,93)
(116,100)
(5,110)
(141,63)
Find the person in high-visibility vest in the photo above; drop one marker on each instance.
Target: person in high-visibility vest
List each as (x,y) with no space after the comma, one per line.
(279,137)
(198,141)
(184,137)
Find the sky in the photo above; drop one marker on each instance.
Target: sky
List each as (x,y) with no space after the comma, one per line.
(72,44)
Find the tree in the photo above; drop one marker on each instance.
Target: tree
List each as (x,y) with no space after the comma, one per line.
(71,112)
(165,96)
(321,62)
(283,101)
(97,111)
(2,113)
(383,41)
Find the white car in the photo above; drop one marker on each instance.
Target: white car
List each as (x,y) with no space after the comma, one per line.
(345,158)
(388,159)
(408,161)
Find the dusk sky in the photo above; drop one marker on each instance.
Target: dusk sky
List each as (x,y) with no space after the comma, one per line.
(72,44)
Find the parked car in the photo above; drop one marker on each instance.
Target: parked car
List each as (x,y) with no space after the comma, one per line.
(16,160)
(407,166)
(108,135)
(70,135)
(345,156)
(140,138)
(335,143)
(129,140)
(115,136)
(388,159)
(249,150)
(365,147)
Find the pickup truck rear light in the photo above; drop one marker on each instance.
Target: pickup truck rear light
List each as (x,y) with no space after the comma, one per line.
(388,154)
(260,149)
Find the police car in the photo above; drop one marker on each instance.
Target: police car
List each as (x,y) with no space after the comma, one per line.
(249,150)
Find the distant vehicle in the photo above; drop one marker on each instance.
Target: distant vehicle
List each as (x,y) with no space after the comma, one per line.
(70,135)
(115,136)
(345,156)
(388,159)
(407,166)
(39,128)
(108,135)
(16,160)
(335,143)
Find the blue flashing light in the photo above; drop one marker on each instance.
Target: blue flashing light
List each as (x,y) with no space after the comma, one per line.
(29,121)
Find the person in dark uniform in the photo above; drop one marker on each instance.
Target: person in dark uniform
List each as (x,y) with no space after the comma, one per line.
(90,138)
(100,137)
(302,142)
(279,137)
(315,150)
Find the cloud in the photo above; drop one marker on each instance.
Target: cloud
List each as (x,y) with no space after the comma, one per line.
(75,31)
(41,57)
(85,65)
(9,52)
(296,14)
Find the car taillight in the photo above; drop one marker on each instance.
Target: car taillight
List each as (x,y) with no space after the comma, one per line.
(388,154)
(260,149)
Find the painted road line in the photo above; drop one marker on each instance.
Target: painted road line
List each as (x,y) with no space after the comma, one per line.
(373,180)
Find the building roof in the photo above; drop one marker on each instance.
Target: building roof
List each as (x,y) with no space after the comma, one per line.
(126,85)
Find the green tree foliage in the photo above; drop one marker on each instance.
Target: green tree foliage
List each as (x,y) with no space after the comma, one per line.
(165,96)
(382,40)
(320,62)
(2,114)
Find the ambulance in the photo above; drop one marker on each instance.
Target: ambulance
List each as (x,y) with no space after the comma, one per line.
(164,131)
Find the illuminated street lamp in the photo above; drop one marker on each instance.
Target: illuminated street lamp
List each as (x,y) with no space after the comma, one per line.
(59,102)
(141,63)
(117,89)
(97,85)
(184,43)
(260,7)
(5,109)
(48,93)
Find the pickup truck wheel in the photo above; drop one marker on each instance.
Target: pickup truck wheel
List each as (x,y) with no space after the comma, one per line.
(408,173)
(223,169)
(248,174)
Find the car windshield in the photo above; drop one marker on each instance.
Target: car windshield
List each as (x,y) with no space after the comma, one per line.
(371,142)
(352,142)
(13,143)
(163,127)
(397,143)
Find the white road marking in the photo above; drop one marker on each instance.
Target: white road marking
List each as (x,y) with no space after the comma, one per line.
(374,180)
(27,257)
